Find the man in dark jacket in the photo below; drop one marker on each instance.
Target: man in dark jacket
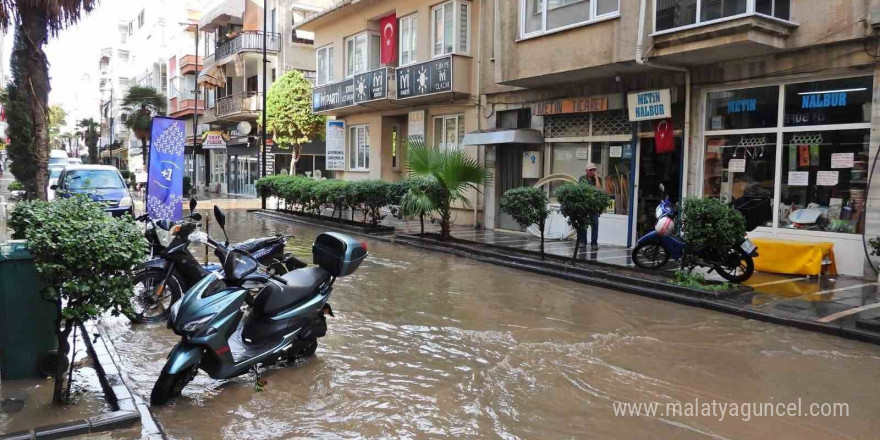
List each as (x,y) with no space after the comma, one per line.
(592,179)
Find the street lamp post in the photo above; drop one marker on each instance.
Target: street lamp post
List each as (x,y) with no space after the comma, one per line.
(265,62)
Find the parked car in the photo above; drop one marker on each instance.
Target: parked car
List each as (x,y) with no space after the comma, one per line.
(54,173)
(75,161)
(102,183)
(58,157)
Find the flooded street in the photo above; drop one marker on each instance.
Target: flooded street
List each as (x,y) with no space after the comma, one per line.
(427,345)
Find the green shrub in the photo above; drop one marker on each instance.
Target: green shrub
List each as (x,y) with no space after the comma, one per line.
(580,202)
(711,222)
(16,186)
(85,257)
(527,206)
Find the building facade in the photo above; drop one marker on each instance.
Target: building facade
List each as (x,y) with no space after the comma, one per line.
(767,104)
(391,71)
(232,78)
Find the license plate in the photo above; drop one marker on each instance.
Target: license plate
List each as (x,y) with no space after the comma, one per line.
(748,246)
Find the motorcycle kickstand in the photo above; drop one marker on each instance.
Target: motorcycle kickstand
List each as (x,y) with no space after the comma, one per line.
(259,382)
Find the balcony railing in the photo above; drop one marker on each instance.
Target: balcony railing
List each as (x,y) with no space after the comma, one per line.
(238,104)
(248,40)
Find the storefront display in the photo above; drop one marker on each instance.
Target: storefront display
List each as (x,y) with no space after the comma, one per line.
(816,178)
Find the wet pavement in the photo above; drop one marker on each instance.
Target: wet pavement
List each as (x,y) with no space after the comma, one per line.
(429,345)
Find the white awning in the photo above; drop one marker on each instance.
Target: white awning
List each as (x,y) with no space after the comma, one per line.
(504,136)
(221,12)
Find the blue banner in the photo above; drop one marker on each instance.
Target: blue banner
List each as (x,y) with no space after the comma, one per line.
(165,181)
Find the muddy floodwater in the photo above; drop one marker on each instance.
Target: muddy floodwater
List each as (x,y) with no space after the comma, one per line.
(426,345)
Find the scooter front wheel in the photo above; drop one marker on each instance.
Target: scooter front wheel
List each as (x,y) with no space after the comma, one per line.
(153,295)
(169,386)
(650,255)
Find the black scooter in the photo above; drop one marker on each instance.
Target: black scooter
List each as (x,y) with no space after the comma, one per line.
(161,281)
(284,319)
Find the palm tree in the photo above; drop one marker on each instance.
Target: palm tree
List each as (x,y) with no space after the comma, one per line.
(87,130)
(142,103)
(454,171)
(35,20)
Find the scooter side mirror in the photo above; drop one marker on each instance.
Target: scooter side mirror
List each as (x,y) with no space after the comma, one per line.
(196,216)
(192,204)
(220,216)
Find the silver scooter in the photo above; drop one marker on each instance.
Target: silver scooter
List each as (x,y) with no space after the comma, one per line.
(284,318)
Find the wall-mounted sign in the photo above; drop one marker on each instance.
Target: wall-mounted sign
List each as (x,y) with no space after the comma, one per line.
(335,141)
(646,106)
(582,154)
(416,126)
(531,168)
(370,86)
(615,151)
(333,96)
(427,78)
(570,105)
(214,139)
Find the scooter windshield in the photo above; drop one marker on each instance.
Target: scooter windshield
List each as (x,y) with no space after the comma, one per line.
(238,265)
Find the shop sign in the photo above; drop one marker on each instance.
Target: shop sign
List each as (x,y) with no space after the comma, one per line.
(416,125)
(742,105)
(427,78)
(650,105)
(570,105)
(370,86)
(333,96)
(335,142)
(615,151)
(214,139)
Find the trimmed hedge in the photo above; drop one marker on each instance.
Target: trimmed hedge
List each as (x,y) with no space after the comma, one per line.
(308,195)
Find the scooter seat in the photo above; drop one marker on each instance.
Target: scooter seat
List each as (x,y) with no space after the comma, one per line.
(301,285)
(255,244)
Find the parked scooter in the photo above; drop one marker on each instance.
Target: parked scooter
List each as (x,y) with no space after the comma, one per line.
(285,317)
(733,263)
(161,281)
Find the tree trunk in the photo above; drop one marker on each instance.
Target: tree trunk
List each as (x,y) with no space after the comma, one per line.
(422,222)
(35,28)
(145,151)
(62,332)
(577,244)
(541,225)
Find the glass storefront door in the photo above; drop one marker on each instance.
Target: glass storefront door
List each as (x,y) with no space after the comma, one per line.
(244,171)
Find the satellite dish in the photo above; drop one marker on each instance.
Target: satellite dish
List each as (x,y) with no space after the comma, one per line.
(244,127)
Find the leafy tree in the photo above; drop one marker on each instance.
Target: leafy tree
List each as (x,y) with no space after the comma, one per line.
(142,103)
(57,120)
(454,171)
(85,257)
(527,206)
(87,130)
(289,115)
(580,203)
(27,99)
(711,222)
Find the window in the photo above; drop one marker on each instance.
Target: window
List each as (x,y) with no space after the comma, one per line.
(842,101)
(141,19)
(325,65)
(361,53)
(742,109)
(448,132)
(130,28)
(273,21)
(359,147)
(774,8)
(408,31)
(450,28)
(672,14)
(123,35)
(123,56)
(298,36)
(539,16)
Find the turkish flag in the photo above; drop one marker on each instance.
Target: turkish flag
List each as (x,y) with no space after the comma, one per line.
(664,136)
(389,39)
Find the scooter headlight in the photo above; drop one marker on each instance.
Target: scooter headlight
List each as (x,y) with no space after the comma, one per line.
(198,324)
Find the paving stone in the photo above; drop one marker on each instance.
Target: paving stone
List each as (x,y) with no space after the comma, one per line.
(114,420)
(17,435)
(127,405)
(121,392)
(12,402)
(62,430)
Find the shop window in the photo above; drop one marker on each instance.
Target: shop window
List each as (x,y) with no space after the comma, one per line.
(450,28)
(774,8)
(741,169)
(743,109)
(613,162)
(408,39)
(361,53)
(324,65)
(539,16)
(359,147)
(840,101)
(824,174)
(678,13)
(448,132)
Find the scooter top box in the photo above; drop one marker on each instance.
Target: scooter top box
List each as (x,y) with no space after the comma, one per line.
(338,254)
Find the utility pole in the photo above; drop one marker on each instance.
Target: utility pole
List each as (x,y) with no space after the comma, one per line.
(196,106)
(265,62)
(110,113)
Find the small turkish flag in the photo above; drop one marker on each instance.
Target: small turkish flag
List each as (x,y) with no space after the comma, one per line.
(664,136)
(389,39)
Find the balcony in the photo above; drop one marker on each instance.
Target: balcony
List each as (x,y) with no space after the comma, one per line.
(188,64)
(184,104)
(238,107)
(247,41)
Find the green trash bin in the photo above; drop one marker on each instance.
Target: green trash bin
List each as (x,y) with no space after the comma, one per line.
(27,331)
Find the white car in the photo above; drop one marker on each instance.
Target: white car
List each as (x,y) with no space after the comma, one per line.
(54,172)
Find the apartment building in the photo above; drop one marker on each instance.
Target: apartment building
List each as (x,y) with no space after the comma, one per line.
(388,71)
(768,104)
(232,78)
(115,66)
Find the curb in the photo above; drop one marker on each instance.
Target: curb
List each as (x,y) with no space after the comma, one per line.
(113,381)
(637,286)
(327,224)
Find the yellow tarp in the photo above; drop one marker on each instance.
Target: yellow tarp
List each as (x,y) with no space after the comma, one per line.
(793,257)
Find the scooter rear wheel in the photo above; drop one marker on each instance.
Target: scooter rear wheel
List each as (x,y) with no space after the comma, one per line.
(169,386)
(650,255)
(148,303)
